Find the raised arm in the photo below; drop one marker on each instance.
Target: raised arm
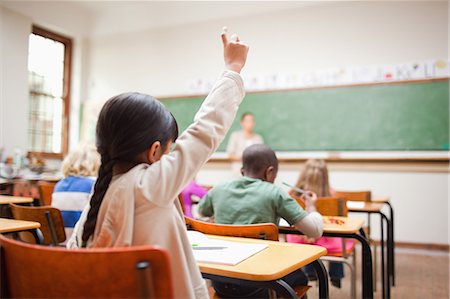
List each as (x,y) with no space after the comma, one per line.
(165,179)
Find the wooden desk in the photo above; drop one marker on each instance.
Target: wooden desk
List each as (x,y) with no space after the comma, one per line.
(267,268)
(350,228)
(7,199)
(349,225)
(375,208)
(15,226)
(12,226)
(381,199)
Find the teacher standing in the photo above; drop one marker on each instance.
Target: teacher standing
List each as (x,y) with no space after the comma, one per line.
(242,139)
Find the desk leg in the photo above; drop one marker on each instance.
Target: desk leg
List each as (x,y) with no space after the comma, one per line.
(37,234)
(391,246)
(283,289)
(385,279)
(367,270)
(322,276)
(366,261)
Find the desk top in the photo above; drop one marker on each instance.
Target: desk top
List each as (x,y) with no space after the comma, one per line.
(367,207)
(381,199)
(274,262)
(12,225)
(7,199)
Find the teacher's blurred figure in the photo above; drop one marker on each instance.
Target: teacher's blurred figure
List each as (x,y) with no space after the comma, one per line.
(242,139)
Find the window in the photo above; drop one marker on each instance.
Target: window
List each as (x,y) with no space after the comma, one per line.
(49,63)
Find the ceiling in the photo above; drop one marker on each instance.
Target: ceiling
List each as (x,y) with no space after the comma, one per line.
(100,18)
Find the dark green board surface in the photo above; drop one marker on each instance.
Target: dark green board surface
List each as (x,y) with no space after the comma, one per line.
(409,116)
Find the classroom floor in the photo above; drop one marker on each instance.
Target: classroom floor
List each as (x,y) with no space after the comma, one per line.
(420,275)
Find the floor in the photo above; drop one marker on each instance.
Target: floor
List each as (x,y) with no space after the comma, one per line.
(420,274)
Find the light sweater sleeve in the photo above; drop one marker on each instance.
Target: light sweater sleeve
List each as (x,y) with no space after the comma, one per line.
(311,225)
(165,179)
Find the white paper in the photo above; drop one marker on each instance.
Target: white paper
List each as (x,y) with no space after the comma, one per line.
(232,254)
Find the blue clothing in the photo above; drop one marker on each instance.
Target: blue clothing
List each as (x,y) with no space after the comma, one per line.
(70,196)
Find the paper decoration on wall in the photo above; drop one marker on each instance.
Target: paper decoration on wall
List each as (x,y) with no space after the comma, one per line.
(435,68)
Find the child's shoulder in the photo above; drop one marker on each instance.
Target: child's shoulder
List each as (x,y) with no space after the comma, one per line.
(75,184)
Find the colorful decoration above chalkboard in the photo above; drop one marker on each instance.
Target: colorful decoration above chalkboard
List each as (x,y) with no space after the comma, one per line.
(435,68)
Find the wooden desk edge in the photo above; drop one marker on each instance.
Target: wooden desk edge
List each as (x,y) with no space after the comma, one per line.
(18,225)
(227,270)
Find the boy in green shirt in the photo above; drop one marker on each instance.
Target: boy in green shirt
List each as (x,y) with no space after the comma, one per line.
(255,199)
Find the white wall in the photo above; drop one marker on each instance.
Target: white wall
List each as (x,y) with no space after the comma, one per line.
(14,31)
(164,61)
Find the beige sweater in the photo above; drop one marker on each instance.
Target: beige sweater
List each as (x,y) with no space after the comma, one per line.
(140,206)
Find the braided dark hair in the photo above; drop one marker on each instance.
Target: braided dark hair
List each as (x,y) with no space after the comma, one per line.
(127,126)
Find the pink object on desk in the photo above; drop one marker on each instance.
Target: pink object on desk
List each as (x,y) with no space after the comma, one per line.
(191,189)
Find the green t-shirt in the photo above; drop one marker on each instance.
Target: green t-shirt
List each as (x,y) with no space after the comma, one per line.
(250,201)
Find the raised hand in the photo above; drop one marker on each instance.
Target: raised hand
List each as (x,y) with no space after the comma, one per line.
(234,51)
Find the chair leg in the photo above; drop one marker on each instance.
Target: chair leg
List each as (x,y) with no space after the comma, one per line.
(352,278)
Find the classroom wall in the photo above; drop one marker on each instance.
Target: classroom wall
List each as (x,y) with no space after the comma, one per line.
(164,61)
(14,31)
(419,198)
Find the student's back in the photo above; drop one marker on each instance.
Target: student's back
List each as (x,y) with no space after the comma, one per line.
(71,194)
(250,201)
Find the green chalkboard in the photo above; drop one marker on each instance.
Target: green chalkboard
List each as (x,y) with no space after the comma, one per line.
(408,116)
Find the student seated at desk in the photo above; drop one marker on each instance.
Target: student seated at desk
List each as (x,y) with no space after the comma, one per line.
(255,199)
(314,177)
(71,194)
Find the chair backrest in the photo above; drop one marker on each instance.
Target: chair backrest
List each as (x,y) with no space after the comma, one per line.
(265,231)
(46,192)
(355,195)
(52,225)
(327,206)
(332,206)
(33,271)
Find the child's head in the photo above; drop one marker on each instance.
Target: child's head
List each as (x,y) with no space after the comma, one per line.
(132,128)
(260,162)
(82,161)
(314,177)
(248,121)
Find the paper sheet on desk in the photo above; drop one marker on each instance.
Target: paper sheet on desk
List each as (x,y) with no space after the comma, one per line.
(355,204)
(232,254)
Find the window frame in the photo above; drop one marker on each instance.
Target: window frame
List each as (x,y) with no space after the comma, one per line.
(67,42)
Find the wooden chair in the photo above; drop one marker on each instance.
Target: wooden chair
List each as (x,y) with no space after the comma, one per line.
(335,206)
(33,271)
(46,192)
(52,225)
(264,231)
(355,195)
